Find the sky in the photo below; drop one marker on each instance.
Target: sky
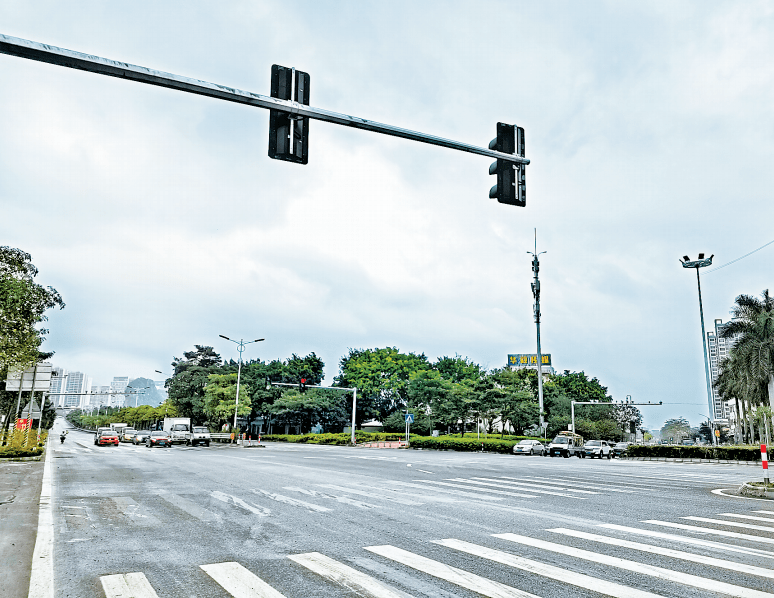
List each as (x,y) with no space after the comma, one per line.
(161,220)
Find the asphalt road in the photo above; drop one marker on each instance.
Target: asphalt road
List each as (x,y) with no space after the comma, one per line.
(309,521)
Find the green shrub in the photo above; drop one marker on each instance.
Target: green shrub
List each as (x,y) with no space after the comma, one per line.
(730,453)
(15,452)
(466,444)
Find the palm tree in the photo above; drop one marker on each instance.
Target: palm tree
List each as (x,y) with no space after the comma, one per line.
(749,371)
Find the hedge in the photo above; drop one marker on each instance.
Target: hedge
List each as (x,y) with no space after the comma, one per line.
(489,445)
(730,453)
(15,452)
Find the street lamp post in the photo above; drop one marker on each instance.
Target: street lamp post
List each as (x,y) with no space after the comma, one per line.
(240,347)
(701,263)
(536,295)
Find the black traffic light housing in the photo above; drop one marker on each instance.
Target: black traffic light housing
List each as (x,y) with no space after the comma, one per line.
(289,133)
(511,187)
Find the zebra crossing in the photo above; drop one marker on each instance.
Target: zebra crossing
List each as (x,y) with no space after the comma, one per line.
(623,561)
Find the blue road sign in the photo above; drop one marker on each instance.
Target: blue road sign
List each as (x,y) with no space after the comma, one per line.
(410,418)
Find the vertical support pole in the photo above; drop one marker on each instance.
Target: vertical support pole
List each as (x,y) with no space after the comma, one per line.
(765,464)
(29,408)
(572,410)
(706,361)
(536,295)
(239,375)
(354,406)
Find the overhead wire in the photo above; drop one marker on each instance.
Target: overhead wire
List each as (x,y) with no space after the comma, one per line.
(739,258)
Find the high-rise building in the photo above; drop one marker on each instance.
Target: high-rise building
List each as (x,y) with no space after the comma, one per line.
(118,386)
(58,382)
(719,348)
(76,383)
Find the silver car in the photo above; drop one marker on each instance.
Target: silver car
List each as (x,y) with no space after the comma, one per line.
(529,447)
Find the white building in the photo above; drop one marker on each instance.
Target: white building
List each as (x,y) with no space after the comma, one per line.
(76,383)
(118,386)
(718,348)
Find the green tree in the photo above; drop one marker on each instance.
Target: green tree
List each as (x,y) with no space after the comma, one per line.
(220,399)
(675,429)
(381,376)
(23,304)
(186,389)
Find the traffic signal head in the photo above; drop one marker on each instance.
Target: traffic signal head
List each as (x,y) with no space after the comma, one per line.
(511,187)
(302,385)
(289,134)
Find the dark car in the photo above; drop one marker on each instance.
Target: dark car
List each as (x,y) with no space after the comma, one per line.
(158,438)
(620,448)
(107,438)
(140,437)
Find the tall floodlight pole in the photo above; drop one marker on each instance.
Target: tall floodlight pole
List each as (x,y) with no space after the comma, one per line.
(701,263)
(240,347)
(536,295)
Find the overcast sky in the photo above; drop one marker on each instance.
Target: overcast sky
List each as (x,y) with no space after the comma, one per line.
(163,223)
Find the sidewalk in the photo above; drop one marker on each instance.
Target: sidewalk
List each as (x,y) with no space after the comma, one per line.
(20,484)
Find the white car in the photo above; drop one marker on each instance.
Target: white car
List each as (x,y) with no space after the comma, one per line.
(529,447)
(597,448)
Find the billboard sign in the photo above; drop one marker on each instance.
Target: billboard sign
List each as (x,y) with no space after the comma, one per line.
(42,378)
(527,359)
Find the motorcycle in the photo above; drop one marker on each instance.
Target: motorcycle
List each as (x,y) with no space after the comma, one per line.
(61,438)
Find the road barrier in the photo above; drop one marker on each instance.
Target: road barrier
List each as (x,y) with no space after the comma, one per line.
(765,463)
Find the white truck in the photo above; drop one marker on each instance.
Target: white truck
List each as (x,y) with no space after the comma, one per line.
(178,428)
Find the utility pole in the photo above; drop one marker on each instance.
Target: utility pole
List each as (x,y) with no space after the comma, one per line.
(536,295)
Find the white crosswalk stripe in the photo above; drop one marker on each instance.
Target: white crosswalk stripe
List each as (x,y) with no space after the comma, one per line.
(360,583)
(709,530)
(239,582)
(763,528)
(750,517)
(127,585)
(540,489)
(702,583)
(464,579)
(482,490)
(675,554)
(564,485)
(577,579)
(688,540)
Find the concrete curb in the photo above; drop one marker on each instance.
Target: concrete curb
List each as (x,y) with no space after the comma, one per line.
(747,489)
(678,460)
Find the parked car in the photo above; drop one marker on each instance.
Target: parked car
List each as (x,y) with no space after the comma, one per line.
(140,436)
(107,437)
(127,434)
(566,444)
(199,435)
(529,447)
(597,448)
(158,438)
(620,448)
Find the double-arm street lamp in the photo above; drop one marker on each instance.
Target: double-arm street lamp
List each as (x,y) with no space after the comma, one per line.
(701,263)
(240,347)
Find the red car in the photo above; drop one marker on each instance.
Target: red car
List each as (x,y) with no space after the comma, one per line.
(107,438)
(158,439)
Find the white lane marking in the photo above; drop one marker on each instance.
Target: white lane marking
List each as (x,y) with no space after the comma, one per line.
(240,582)
(293,501)
(483,490)
(423,471)
(452,492)
(763,528)
(342,499)
(227,498)
(750,517)
(675,554)
(127,585)
(688,540)
(470,581)
(709,530)
(768,512)
(397,499)
(189,507)
(703,583)
(136,513)
(722,492)
(595,584)
(561,484)
(476,482)
(352,579)
(42,572)
(531,487)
